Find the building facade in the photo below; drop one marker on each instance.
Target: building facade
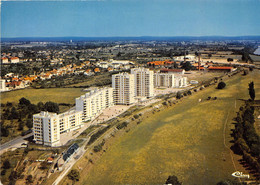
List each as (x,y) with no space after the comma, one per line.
(180,82)
(91,104)
(123,85)
(46,129)
(15,60)
(48,126)
(143,79)
(2,85)
(164,80)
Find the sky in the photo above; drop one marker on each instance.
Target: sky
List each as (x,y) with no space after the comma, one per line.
(109,18)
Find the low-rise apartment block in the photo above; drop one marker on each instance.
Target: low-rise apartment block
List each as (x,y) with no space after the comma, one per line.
(164,80)
(169,80)
(91,104)
(48,126)
(180,81)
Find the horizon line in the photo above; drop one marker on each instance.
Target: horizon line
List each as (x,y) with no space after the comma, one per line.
(127,36)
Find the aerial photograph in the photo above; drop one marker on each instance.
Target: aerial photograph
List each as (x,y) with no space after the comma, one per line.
(130,92)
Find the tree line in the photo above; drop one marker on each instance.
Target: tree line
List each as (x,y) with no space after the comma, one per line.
(23,113)
(246,140)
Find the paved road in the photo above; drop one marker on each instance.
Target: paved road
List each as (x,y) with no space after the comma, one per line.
(14,143)
(72,160)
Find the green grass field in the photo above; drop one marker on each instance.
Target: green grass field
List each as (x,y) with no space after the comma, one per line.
(186,140)
(57,95)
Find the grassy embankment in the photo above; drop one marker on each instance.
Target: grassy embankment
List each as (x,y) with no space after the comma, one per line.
(186,140)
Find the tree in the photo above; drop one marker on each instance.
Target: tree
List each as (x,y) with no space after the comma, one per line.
(251,90)
(4,131)
(173,180)
(178,96)
(187,66)
(40,106)
(21,125)
(29,123)
(24,101)
(29,179)
(230,59)
(14,114)
(221,85)
(51,107)
(74,175)
(6,164)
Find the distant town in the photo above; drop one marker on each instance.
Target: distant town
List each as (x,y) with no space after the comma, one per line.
(67,101)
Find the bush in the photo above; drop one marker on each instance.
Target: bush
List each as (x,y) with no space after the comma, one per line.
(96,135)
(173,180)
(122,125)
(74,175)
(221,85)
(178,96)
(6,164)
(29,123)
(29,179)
(3,172)
(136,116)
(98,147)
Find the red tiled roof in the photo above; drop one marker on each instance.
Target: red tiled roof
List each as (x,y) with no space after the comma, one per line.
(171,70)
(160,62)
(222,67)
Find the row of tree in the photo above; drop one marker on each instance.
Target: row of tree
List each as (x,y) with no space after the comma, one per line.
(246,140)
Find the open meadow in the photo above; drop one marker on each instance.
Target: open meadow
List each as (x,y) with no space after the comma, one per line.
(190,140)
(57,95)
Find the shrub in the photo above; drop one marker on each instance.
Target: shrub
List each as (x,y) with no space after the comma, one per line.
(29,179)
(98,147)
(3,172)
(173,180)
(221,85)
(178,96)
(136,116)
(96,135)
(122,125)
(6,164)
(74,175)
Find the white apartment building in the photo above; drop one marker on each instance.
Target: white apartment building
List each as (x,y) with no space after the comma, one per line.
(144,85)
(70,120)
(48,126)
(92,103)
(46,129)
(164,80)
(169,80)
(123,85)
(2,85)
(180,81)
